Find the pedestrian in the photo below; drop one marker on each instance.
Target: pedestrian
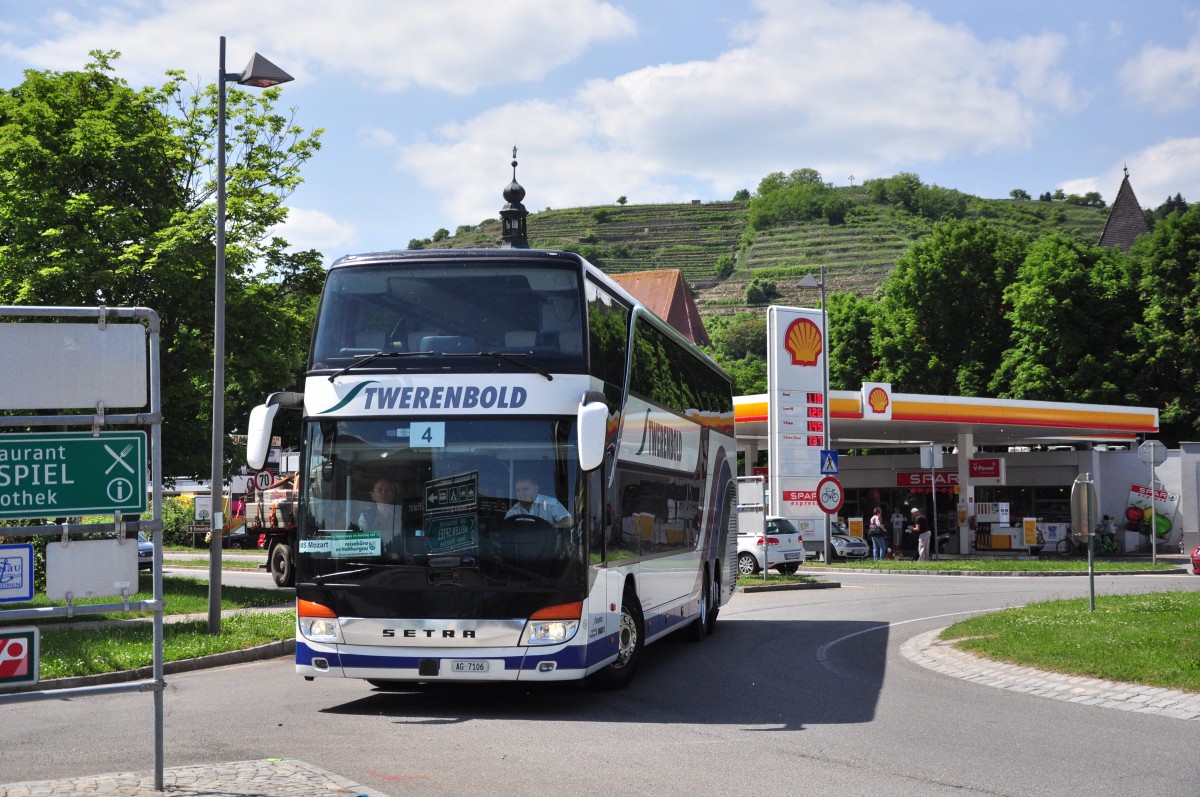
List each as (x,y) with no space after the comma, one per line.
(897,528)
(921,528)
(877,534)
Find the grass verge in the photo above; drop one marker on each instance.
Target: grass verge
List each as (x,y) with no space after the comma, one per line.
(91,646)
(774,578)
(1147,639)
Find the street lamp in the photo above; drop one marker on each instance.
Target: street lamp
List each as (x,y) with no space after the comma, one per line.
(810,281)
(262,74)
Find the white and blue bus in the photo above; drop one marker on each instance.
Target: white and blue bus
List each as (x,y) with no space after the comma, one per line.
(510,470)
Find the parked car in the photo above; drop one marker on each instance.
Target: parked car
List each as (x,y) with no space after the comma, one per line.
(784,548)
(1196,560)
(844,546)
(145,552)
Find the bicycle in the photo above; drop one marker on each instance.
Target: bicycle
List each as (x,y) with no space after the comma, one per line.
(1101,544)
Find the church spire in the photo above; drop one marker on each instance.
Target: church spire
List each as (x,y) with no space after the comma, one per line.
(513,214)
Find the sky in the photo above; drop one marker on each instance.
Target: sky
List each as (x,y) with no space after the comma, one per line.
(667,101)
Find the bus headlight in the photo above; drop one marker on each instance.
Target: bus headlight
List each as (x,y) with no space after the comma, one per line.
(320,629)
(552,625)
(317,622)
(549,632)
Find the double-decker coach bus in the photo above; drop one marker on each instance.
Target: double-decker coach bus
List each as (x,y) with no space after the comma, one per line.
(511,470)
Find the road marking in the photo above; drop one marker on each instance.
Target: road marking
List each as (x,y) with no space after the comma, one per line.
(823,651)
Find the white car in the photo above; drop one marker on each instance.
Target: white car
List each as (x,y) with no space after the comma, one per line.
(784,548)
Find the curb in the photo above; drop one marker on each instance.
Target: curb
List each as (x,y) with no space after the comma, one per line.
(271,650)
(785,587)
(1001,573)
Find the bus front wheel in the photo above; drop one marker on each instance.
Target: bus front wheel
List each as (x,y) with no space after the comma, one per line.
(619,672)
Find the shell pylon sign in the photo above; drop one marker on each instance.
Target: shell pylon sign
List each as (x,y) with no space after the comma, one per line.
(796,366)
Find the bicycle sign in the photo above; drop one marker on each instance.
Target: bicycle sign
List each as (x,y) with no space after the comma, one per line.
(830,495)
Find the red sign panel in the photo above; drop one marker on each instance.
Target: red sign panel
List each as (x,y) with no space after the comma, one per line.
(984,468)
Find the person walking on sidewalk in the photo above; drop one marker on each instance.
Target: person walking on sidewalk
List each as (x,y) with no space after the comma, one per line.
(921,528)
(877,534)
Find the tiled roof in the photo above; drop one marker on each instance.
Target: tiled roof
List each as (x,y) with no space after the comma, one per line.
(667,295)
(1125,220)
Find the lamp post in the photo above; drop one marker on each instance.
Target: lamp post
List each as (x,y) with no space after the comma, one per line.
(262,74)
(810,282)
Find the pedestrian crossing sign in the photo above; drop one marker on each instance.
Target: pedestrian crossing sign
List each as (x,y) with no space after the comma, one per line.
(829,462)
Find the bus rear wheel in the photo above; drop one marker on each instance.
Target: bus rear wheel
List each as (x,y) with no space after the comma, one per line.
(698,628)
(619,672)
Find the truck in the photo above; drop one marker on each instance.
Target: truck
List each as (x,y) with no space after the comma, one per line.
(271,520)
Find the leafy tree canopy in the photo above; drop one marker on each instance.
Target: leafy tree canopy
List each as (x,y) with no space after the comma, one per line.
(107,197)
(1168,268)
(1067,296)
(941,326)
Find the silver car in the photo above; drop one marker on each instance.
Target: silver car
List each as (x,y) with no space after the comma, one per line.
(784,548)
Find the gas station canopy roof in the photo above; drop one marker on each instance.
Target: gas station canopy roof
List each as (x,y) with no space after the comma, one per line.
(933,420)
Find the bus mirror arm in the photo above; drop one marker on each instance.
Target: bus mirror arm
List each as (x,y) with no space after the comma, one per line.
(258,434)
(592,424)
(258,431)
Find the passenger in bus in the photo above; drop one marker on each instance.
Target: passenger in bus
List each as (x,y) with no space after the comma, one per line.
(531,502)
(383,516)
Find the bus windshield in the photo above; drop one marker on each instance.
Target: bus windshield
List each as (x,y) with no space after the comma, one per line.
(420,313)
(480,502)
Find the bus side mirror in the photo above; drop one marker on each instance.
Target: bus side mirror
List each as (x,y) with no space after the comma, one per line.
(592,426)
(258,435)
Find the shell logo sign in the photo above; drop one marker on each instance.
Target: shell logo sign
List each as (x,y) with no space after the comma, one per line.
(803,341)
(877,401)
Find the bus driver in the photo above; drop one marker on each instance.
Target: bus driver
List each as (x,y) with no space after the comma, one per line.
(531,502)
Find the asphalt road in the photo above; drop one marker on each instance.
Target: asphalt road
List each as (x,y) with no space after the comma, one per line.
(798,692)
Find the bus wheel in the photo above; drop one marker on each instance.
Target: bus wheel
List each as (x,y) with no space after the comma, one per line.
(280,565)
(714,602)
(698,628)
(619,672)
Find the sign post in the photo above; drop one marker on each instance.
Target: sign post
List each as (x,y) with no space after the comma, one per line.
(1153,453)
(1084,509)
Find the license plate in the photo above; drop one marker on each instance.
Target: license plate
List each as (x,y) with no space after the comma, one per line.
(791,556)
(472,665)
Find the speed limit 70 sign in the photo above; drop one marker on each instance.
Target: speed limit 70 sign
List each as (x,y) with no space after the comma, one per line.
(263,479)
(830,495)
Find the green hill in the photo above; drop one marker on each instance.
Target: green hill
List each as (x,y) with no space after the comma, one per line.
(857,253)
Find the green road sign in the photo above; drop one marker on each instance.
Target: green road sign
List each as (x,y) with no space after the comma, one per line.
(60,474)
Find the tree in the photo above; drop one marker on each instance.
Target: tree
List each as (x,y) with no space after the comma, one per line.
(724,267)
(1019,193)
(1168,377)
(741,195)
(941,326)
(1068,296)
(106,197)
(621,200)
(851,323)
(441,234)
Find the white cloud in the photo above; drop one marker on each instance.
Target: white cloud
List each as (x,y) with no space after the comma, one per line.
(376,138)
(844,88)
(1164,79)
(315,229)
(457,46)
(1163,170)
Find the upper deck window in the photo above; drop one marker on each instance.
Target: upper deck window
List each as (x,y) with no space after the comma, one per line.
(437,310)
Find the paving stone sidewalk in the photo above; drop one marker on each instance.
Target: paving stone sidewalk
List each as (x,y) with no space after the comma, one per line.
(271,777)
(930,652)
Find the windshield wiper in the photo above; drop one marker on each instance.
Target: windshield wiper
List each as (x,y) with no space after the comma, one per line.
(362,359)
(508,358)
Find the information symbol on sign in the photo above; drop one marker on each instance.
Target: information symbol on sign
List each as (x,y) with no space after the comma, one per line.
(120,490)
(263,479)
(829,462)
